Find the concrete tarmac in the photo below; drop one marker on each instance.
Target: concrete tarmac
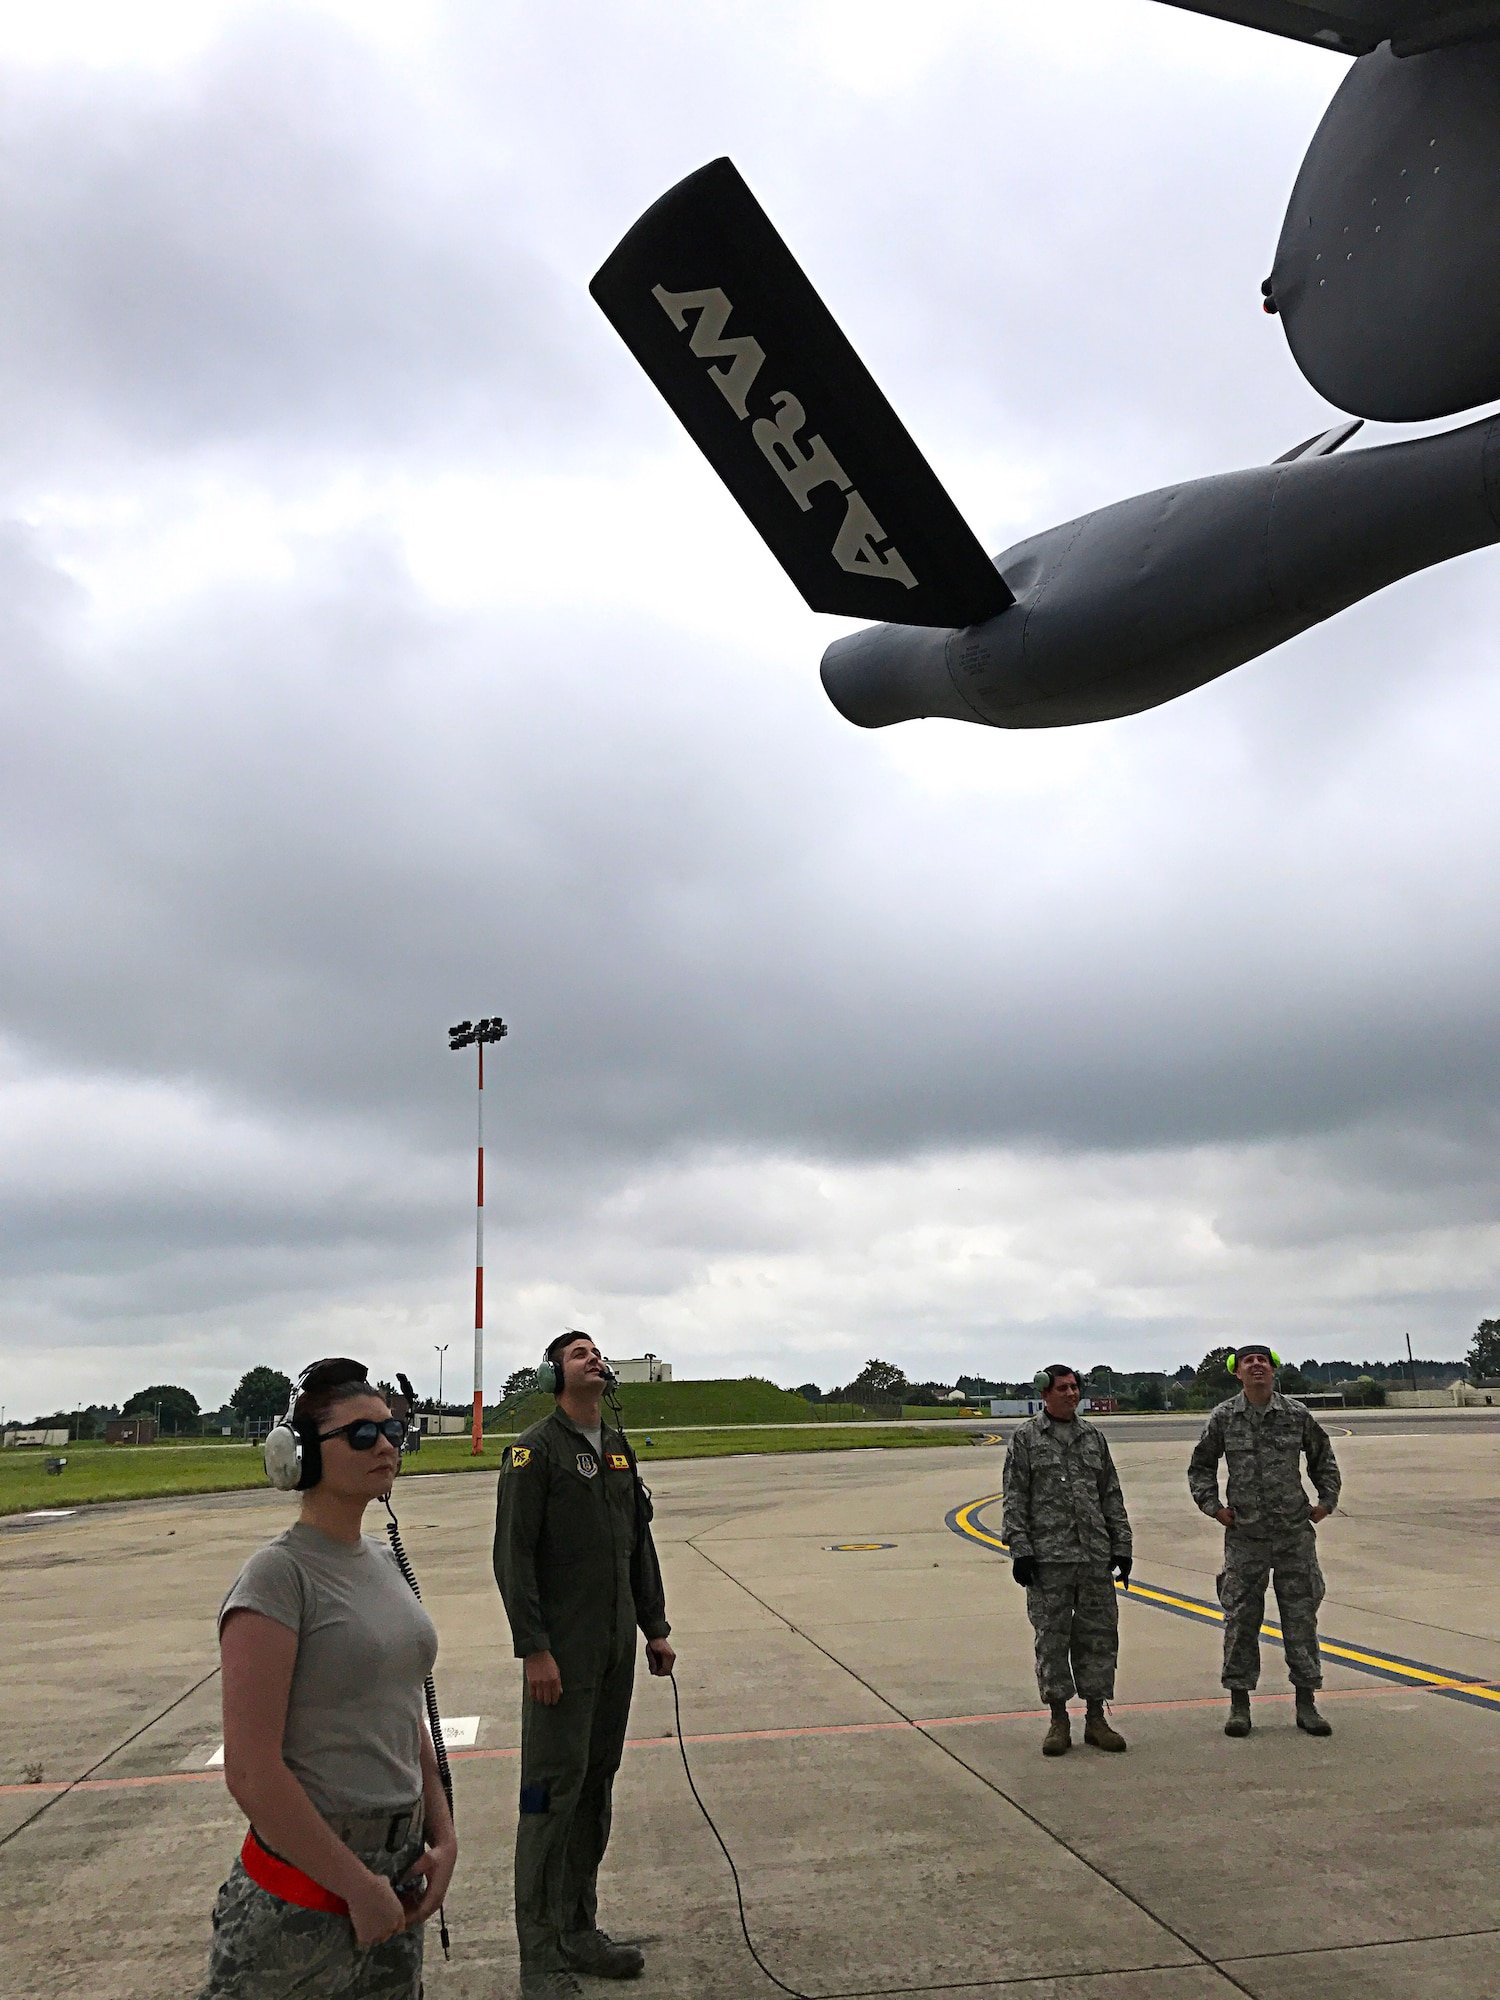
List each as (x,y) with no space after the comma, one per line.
(864,1725)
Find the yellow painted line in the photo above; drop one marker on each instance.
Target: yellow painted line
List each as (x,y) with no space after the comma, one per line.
(1419,1676)
(967,1525)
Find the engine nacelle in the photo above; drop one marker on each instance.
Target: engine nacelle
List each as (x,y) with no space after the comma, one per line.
(1387,275)
(1142,601)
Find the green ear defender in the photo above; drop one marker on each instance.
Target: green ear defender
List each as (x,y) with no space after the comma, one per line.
(1231,1359)
(547,1378)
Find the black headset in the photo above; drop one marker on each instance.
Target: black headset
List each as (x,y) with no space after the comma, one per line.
(549,1375)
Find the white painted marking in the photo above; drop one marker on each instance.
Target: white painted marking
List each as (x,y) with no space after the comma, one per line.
(49,1514)
(460,1732)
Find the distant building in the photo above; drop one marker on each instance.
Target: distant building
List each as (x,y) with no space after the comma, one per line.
(47,1438)
(130,1430)
(1470,1395)
(643,1368)
(1032,1406)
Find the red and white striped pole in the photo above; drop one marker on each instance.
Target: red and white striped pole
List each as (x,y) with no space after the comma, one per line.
(478,1033)
(479,1279)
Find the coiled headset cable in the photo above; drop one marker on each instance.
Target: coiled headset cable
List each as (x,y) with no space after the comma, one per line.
(434,1720)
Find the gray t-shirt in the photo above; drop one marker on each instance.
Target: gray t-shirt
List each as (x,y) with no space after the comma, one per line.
(353,1732)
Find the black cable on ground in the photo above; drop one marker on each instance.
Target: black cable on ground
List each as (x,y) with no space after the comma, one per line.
(859,1992)
(947,1750)
(739,1894)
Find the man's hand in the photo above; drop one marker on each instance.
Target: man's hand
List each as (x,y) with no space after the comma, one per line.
(1320,1512)
(1023,1569)
(1121,1568)
(376,1911)
(1225,1515)
(543,1681)
(660,1658)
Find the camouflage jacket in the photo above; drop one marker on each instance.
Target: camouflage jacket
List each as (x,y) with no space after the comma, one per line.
(1062,1500)
(1264,1450)
(574,1557)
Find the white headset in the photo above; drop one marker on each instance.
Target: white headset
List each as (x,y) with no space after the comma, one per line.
(283,1453)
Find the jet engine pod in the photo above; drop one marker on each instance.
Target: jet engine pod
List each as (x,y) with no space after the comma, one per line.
(1387,275)
(1139,602)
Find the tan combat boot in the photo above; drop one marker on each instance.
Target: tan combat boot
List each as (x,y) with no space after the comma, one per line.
(1059,1738)
(1096,1730)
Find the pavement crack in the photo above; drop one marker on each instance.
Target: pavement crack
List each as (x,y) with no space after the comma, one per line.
(99,1763)
(1199,1956)
(1362,1944)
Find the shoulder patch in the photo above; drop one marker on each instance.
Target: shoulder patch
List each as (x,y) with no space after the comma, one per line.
(618,1462)
(520,1456)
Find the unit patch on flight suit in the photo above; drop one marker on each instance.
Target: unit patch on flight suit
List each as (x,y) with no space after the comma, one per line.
(618,1462)
(588,1465)
(520,1454)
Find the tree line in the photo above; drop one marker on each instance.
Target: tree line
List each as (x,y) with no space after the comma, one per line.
(263,1394)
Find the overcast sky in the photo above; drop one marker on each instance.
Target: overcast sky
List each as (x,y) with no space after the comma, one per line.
(377,651)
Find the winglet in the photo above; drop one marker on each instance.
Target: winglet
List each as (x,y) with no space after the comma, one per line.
(712,303)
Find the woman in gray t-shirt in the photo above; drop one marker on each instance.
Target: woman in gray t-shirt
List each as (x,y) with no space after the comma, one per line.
(325,1650)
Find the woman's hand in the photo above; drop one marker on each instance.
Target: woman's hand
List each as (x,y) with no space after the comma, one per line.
(437,1862)
(375,1910)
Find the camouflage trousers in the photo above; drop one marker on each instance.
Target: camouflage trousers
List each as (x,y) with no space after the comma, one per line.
(265,1949)
(1251,1561)
(1075,1615)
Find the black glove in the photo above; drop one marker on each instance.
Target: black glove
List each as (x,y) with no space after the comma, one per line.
(1122,1569)
(1023,1569)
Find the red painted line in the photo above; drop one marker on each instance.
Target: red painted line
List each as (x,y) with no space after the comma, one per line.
(749,1736)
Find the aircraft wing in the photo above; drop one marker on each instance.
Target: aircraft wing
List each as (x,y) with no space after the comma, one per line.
(1354,27)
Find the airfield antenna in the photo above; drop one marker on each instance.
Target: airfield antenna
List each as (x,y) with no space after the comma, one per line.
(475,1034)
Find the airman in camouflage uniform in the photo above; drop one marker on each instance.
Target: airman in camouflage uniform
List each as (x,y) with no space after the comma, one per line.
(1268,1530)
(265,1949)
(1066,1527)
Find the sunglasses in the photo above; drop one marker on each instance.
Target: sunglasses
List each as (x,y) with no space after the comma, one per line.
(364,1431)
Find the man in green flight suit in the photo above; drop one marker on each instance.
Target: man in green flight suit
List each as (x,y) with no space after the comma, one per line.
(1269,1529)
(577,1569)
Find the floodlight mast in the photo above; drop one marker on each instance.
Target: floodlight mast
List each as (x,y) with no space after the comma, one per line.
(474,1034)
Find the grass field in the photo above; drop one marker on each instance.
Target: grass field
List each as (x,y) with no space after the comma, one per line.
(97,1472)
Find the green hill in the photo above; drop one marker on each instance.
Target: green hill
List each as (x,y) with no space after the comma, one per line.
(748,1401)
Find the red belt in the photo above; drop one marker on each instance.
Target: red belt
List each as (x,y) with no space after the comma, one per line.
(279,1878)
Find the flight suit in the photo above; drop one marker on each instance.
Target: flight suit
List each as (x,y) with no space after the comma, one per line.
(578,1572)
(1272,1535)
(1063,1505)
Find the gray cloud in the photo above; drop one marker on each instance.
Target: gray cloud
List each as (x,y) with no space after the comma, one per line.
(822,1041)
(276,250)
